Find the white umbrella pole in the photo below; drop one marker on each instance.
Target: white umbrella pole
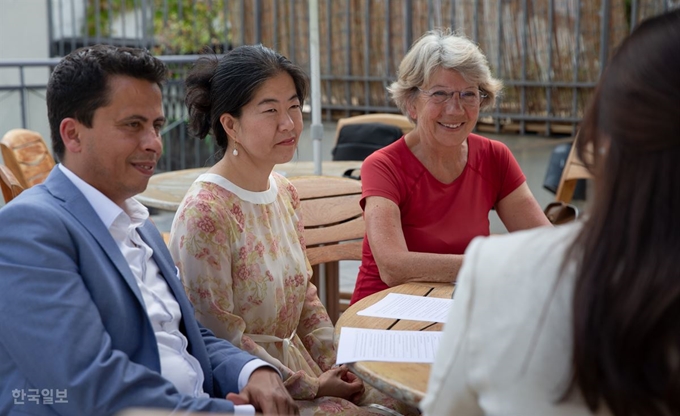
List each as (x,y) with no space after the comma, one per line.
(317,127)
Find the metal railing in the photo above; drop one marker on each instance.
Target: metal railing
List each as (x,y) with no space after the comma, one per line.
(180,150)
(548,53)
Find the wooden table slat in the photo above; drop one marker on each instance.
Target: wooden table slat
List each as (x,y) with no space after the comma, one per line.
(404,381)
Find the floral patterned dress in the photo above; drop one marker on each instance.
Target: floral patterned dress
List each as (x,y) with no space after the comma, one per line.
(242,257)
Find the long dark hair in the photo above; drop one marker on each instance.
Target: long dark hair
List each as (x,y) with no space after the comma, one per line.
(626,302)
(218,86)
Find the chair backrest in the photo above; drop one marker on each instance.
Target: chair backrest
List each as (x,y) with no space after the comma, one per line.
(359,136)
(398,120)
(574,169)
(334,229)
(27,156)
(11,188)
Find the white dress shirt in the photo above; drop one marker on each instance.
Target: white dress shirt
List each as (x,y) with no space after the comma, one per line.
(177,365)
(507,345)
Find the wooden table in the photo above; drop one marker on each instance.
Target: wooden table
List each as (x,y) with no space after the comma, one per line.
(403,381)
(166,190)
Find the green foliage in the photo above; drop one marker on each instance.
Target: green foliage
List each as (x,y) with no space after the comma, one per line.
(203,23)
(100,11)
(180,26)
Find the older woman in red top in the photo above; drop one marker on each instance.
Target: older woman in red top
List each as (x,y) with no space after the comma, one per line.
(429,193)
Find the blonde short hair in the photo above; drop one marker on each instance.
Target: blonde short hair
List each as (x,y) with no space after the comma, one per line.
(442,49)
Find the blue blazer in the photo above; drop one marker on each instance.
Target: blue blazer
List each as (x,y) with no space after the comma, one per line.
(72,316)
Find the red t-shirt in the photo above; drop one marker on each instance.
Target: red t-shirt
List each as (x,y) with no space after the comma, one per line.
(435,217)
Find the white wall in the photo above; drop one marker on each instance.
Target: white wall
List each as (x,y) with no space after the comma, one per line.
(24,35)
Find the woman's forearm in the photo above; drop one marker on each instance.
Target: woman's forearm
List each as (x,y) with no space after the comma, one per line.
(409,266)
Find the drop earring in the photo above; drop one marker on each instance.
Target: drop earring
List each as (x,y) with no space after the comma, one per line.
(235,151)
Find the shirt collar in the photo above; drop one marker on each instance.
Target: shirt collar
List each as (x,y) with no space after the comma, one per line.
(106,209)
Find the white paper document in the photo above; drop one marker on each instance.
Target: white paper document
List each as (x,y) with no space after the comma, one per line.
(415,308)
(358,344)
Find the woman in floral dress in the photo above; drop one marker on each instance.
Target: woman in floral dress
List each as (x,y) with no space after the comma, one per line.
(238,239)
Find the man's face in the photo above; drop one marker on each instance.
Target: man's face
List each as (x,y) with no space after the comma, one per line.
(118,154)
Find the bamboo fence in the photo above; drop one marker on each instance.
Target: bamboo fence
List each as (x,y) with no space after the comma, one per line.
(547,52)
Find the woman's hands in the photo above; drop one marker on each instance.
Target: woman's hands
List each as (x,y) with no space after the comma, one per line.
(340,382)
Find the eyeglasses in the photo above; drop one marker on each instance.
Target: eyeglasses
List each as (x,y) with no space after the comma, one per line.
(468,98)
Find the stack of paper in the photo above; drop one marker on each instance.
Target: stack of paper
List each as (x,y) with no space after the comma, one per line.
(416,308)
(358,344)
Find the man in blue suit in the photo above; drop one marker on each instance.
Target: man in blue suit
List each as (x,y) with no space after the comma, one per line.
(93,315)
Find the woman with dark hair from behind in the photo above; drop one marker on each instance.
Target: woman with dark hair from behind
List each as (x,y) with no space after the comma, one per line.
(585,318)
(237,237)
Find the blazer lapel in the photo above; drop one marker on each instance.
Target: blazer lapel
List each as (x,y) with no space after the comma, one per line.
(161,255)
(77,205)
(168,269)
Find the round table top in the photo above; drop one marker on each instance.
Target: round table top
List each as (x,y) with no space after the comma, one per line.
(166,190)
(403,381)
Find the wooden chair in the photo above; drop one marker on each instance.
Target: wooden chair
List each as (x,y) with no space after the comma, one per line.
(574,169)
(27,156)
(334,230)
(11,188)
